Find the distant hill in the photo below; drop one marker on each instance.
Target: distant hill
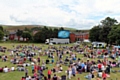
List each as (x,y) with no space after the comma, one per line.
(22,27)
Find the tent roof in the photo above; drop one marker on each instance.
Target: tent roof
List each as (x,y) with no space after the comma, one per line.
(116,46)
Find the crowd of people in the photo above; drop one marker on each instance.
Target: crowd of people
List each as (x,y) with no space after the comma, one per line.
(77,59)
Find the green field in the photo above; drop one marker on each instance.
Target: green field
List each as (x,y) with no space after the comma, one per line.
(16,75)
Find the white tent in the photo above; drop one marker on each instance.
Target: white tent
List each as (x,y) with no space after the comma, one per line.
(86,40)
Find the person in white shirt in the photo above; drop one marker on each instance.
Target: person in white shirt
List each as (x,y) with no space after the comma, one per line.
(27,78)
(12,68)
(103,68)
(6,69)
(61,69)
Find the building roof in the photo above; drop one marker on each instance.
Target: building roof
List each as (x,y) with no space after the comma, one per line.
(12,32)
(79,33)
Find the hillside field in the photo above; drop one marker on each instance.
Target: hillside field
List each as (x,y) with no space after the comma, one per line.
(16,75)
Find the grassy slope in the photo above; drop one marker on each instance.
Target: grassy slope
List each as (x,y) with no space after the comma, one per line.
(17,75)
(30,26)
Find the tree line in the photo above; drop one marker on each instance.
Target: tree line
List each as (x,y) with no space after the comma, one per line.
(107,31)
(35,34)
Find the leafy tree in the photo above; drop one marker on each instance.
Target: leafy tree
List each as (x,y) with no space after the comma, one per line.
(104,34)
(114,35)
(100,32)
(19,33)
(1,28)
(61,28)
(45,33)
(27,29)
(50,31)
(55,33)
(36,28)
(108,22)
(94,33)
(1,35)
(39,37)
(6,33)
(26,35)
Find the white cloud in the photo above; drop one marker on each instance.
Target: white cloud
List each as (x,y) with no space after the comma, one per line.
(80,14)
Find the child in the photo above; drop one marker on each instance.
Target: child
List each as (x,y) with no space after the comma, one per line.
(52,61)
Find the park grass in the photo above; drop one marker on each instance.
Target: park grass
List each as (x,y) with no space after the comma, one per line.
(16,75)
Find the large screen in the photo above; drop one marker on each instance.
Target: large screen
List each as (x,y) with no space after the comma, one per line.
(64,34)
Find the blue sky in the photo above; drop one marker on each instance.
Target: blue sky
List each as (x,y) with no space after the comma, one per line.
(79,14)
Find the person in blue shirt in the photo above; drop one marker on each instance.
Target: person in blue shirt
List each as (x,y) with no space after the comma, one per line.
(52,61)
(73,70)
(32,68)
(82,65)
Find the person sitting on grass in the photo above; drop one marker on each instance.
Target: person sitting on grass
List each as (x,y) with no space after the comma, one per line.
(54,69)
(45,78)
(6,69)
(60,68)
(55,77)
(104,75)
(89,76)
(1,69)
(12,68)
(23,78)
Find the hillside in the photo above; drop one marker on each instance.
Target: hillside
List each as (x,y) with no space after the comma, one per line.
(21,27)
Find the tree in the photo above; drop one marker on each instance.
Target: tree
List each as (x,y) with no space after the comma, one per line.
(50,31)
(1,28)
(1,35)
(94,33)
(36,28)
(26,29)
(61,28)
(108,22)
(45,33)
(6,33)
(104,34)
(39,37)
(55,33)
(100,32)
(26,35)
(114,35)
(19,33)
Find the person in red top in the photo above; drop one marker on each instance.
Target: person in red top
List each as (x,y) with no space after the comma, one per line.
(24,59)
(49,74)
(35,74)
(1,69)
(35,68)
(104,76)
(100,66)
(23,78)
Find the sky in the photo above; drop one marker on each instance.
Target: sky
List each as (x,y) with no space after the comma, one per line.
(78,14)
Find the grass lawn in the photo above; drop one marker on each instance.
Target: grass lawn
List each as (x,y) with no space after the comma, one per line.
(16,75)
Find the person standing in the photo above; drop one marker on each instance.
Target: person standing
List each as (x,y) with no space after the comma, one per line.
(69,72)
(26,72)
(32,68)
(73,71)
(38,59)
(49,74)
